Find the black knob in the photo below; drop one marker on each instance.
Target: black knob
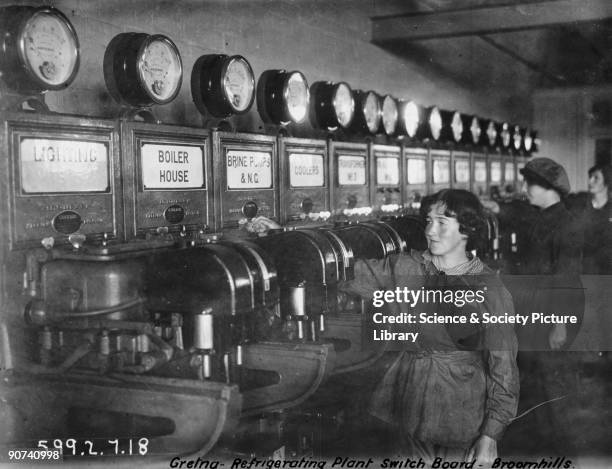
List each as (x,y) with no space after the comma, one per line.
(250,209)
(307,205)
(351,201)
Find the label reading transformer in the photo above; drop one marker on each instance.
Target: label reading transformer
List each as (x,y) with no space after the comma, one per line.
(306,170)
(387,171)
(57,166)
(172,166)
(248,169)
(351,170)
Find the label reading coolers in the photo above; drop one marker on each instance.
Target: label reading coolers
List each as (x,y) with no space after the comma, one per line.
(63,166)
(248,169)
(306,170)
(351,170)
(172,166)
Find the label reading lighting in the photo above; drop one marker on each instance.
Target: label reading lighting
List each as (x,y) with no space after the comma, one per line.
(172,166)
(387,171)
(351,170)
(248,169)
(55,166)
(306,170)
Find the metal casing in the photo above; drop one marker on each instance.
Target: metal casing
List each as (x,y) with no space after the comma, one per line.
(386,178)
(415,175)
(461,173)
(61,175)
(246,177)
(167,178)
(304,180)
(349,172)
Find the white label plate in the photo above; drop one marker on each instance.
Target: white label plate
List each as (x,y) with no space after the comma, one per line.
(480,171)
(441,171)
(462,171)
(351,170)
(172,166)
(55,166)
(306,170)
(387,171)
(496,174)
(416,171)
(509,172)
(248,169)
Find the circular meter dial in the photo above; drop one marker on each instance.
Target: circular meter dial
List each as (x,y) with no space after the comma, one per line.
(389,114)
(160,69)
(343,104)
(239,84)
(50,48)
(371,111)
(297,96)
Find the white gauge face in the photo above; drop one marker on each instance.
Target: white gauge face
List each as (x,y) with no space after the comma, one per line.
(239,84)
(371,111)
(475,130)
(50,48)
(344,105)
(528,141)
(435,123)
(297,97)
(516,138)
(411,118)
(389,115)
(457,126)
(505,135)
(160,69)
(491,133)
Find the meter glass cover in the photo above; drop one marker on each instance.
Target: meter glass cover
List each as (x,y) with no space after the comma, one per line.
(344,105)
(411,118)
(457,126)
(239,84)
(160,69)
(475,130)
(528,141)
(389,115)
(50,48)
(491,133)
(371,111)
(517,139)
(297,97)
(505,135)
(435,123)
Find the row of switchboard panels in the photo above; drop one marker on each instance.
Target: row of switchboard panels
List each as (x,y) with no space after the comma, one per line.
(119,180)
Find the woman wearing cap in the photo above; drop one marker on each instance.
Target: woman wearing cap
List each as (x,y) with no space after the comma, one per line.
(594,210)
(451,393)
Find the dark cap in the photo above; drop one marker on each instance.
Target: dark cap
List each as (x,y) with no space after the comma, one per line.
(549,171)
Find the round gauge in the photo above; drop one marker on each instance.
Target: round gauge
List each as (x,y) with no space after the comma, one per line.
(160,69)
(142,69)
(344,105)
(435,122)
(504,135)
(456,126)
(332,105)
(409,117)
(39,49)
(372,111)
(390,114)
(527,140)
(367,112)
(491,133)
(517,138)
(282,97)
(222,85)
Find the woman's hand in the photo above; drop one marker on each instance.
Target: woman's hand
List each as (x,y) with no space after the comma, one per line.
(557,336)
(484,450)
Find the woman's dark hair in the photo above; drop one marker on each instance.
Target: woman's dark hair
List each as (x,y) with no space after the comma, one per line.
(466,208)
(606,172)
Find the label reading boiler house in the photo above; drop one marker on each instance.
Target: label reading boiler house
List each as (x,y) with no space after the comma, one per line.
(172,166)
(55,166)
(462,171)
(351,170)
(387,171)
(248,169)
(306,170)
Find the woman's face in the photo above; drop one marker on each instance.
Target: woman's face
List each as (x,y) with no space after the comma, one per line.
(442,232)
(596,182)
